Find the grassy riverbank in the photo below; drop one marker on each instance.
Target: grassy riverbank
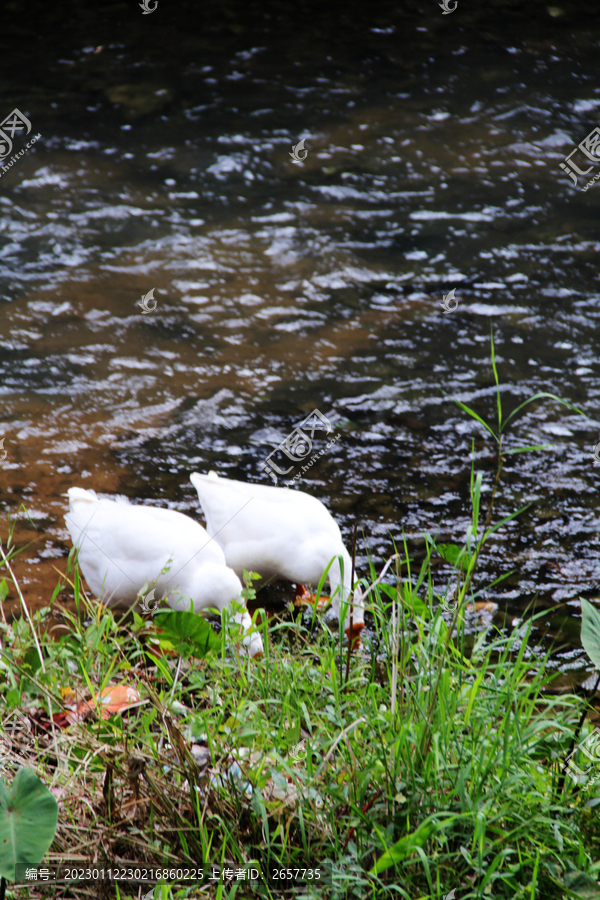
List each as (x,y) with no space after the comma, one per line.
(430,761)
(427,762)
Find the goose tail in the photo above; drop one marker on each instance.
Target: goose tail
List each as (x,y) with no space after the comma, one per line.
(198,479)
(77,493)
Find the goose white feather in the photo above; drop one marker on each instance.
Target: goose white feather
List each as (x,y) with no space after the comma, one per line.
(121,547)
(275,531)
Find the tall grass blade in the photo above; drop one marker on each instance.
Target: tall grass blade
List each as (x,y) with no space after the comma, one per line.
(538,396)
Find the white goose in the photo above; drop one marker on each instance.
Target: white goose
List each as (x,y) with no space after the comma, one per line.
(123,546)
(275,531)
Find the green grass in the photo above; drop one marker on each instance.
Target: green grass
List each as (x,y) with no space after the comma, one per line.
(429,761)
(430,767)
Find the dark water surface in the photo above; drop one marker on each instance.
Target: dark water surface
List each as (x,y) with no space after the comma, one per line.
(434,143)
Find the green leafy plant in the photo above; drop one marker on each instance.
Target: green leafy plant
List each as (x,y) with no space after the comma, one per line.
(590,638)
(458,556)
(503,423)
(190,634)
(28,819)
(249,592)
(465,558)
(590,631)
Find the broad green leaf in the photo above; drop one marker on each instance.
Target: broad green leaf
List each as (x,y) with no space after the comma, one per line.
(452,552)
(292,736)
(191,635)
(28,818)
(590,631)
(13,698)
(388,589)
(31,660)
(414,603)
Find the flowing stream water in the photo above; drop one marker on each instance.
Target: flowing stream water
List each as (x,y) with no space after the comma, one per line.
(433,149)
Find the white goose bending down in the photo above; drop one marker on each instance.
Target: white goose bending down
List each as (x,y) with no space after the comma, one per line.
(122,546)
(275,531)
